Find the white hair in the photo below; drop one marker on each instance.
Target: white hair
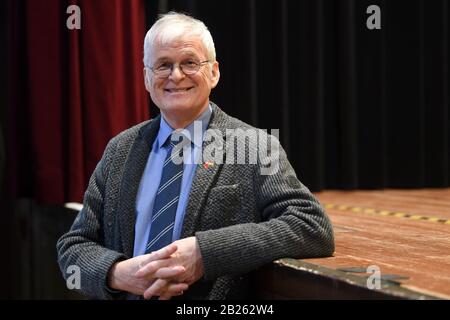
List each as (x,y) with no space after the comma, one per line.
(173,26)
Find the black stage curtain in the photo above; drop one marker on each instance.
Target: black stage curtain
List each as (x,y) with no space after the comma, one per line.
(356,108)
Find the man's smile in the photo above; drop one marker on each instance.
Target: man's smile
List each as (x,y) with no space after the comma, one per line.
(175,90)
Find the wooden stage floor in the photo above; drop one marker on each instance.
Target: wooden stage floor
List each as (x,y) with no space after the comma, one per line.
(405,233)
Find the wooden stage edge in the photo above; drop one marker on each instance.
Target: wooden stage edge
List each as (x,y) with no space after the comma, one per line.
(404,234)
(298,279)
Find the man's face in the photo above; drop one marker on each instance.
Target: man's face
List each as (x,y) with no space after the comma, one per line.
(180,95)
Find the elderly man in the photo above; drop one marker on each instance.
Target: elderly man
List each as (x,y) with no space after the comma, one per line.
(155,227)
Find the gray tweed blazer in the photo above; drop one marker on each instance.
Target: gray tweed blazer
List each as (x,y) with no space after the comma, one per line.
(241,218)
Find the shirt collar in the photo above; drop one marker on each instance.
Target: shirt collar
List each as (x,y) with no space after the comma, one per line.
(165,130)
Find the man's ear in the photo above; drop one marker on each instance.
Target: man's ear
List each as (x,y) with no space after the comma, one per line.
(215,72)
(146,79)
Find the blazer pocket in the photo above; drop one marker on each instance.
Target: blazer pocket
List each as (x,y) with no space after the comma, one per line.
(222,207)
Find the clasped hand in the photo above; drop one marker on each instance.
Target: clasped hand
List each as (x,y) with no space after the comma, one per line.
(164,273)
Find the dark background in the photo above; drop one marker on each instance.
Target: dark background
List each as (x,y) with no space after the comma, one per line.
(356,108)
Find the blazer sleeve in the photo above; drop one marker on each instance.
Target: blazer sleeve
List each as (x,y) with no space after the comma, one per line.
(293,225)
(83,246)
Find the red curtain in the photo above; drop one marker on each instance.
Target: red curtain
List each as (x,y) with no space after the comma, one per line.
(82,87)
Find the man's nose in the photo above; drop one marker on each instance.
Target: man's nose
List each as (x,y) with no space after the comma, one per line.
(176,74)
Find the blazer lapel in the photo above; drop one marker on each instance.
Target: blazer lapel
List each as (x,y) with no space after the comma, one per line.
(204,178)
(133,170)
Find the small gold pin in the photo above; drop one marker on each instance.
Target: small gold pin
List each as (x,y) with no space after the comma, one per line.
(208,165)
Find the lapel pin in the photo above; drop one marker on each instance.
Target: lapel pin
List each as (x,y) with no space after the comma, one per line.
(208,165)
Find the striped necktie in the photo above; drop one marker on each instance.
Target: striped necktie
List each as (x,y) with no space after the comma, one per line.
(166,201)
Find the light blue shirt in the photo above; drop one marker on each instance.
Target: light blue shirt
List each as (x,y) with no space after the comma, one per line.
(152,176)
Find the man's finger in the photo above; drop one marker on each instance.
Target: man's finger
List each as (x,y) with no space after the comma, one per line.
(151,268)
(169,272)
(177,289)
(155,289)
(165,288)
(165,252)
(174,289)
(162,253)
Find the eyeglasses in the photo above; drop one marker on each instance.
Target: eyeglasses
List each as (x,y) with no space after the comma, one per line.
(188,67)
